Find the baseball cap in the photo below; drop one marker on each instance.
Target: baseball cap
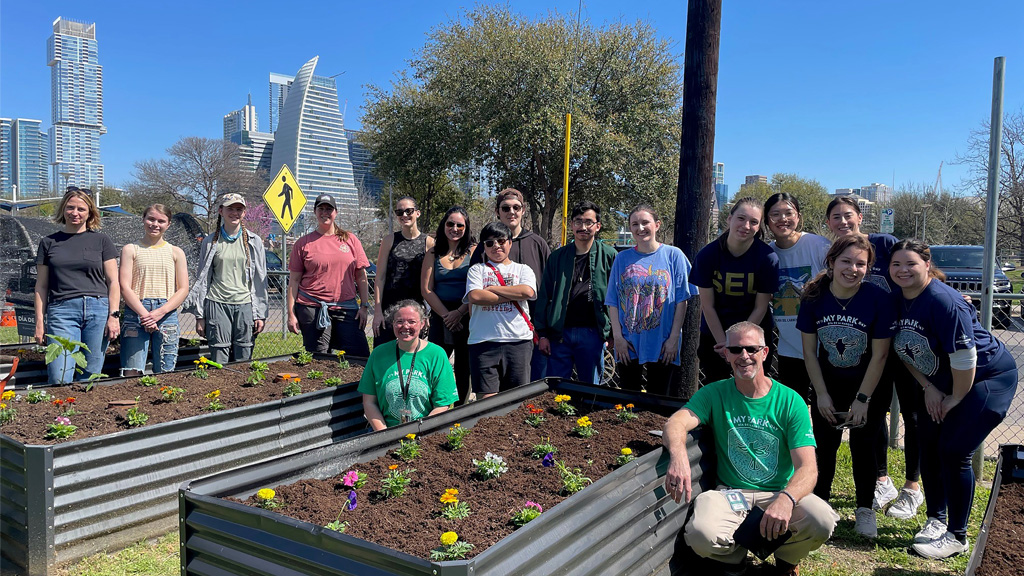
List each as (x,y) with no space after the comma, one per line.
(325,199)
(229,199)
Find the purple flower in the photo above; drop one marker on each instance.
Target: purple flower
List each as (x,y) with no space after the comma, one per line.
(351,500)
(350,479)
(532,504)
(549,460)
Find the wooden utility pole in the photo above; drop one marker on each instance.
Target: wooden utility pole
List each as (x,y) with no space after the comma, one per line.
(696,162)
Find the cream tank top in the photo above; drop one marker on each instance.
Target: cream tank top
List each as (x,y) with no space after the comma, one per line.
(153,272)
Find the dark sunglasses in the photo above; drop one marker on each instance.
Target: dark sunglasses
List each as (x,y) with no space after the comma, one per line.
(498,241)
(406,212)
(512,208)
(451,224)
(749,349)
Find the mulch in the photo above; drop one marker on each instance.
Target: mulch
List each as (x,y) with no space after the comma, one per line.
(1004,551)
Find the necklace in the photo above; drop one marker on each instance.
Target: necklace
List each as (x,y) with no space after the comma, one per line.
(840,302)
(451,257)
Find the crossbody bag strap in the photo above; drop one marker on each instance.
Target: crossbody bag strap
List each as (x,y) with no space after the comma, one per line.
(515,303)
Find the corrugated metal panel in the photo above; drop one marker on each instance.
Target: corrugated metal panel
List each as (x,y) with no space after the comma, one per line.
(13,504)
(623,524)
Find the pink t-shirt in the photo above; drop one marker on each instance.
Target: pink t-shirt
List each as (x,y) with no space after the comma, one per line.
(328,266)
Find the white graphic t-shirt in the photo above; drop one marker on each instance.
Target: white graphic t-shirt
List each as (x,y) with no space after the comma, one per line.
(501,322)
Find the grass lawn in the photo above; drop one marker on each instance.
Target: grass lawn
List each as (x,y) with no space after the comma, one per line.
(9,335)
(269,344)
(846,554)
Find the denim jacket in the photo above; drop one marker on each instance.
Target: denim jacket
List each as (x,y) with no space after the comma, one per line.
(255,274)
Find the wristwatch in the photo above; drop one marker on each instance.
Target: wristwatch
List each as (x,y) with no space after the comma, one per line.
(862,397)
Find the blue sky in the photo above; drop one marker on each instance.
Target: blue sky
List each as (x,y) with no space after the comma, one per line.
(847,93)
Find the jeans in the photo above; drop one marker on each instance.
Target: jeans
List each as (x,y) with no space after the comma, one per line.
(582,347)
(82,319)
(136,341)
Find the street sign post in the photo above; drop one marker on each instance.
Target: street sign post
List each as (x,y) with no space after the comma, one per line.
(286,201)
(888,222)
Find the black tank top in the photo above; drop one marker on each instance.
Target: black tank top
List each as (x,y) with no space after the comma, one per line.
(404,264)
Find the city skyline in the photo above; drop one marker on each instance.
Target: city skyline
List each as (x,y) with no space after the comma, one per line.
(815,120)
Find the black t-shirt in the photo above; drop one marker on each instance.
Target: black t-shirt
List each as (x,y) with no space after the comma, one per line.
(736,280)
(75,263)
(580,310)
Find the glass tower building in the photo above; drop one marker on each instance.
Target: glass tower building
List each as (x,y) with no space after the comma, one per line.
(310,139)
(363,167)
(279,85)
(24,159)
(76,102)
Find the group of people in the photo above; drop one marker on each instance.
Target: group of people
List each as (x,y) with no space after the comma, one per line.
(856,319)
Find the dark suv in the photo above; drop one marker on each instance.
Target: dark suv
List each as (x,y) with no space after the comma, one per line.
(963,266)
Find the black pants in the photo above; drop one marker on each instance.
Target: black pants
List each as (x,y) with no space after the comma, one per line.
(862,440)
(453,341)
(342,334)
(657,381)
(793,373)
(911,405)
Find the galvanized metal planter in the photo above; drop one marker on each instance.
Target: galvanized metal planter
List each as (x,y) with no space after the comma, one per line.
(1009,469)
(625,523)
(63,502)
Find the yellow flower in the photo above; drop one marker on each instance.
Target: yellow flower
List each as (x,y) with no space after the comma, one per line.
(618,406)
(196,362)
(626,451)
(3,406)
(457,425)
(266,494)
(339,353)
(8,395)
(213,395)
(562,398)
(203,359)
(410,436)
(296,380)
(449,498)
(393,467)
(630,406)
(583,422)
(449,538)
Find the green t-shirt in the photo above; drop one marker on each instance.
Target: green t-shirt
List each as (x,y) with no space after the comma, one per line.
(227,283)
(753,436)
(432,385)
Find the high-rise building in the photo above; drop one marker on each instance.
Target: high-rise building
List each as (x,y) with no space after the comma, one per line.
(721,189)
(363,166)
(255,150)
(876,192)
(279,85)
(310,139)
(76,101)
(239,120)
(24,158)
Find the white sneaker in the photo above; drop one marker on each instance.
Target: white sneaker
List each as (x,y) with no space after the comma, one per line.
(933,530)
(906,504)
(885,492)
(944,546)
(866,525)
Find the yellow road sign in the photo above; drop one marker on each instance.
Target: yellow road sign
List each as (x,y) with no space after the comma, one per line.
(284,198)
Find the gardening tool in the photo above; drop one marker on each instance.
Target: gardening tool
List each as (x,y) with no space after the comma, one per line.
(6,377)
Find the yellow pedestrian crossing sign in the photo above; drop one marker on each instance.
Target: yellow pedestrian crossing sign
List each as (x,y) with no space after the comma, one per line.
(284,198)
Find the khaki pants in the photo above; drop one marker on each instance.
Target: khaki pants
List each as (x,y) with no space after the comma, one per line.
(710,529)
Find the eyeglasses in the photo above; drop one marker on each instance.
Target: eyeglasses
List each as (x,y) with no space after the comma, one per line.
(583,223)
(740,349)
(458,225)
(789,214)
(517,208)
(407,212)
(496,241)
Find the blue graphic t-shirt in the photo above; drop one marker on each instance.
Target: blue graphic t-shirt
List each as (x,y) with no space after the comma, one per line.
(646,289)
(879,275)
(845,330)
(936,324)
(736,281)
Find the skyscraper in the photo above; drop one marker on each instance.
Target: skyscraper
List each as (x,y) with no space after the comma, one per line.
(24,158)
(721,189)
(310,139)
(6,154)
(363,166)
(255,150)
(239,120)
(76,100)
(279,85)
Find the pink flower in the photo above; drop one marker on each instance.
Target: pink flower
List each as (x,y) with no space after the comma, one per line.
(532,504)
(350,478)
(63,420)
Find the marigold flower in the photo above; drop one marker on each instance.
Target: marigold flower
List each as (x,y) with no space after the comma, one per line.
(266,494)
(449,498)
(393,467)
(196,362)
(8,395)
(58,402)
(410,436)
(626,451)
(3,406)
(296,380)
(618,406)
(339,353)
(457,425)
(583,422)
(70,400)
(630,406)
(562,398)
(449,538)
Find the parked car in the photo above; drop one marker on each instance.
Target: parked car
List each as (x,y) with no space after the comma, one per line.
(964,266)
(275,269)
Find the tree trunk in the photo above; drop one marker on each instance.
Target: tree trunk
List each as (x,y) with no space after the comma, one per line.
(696,162)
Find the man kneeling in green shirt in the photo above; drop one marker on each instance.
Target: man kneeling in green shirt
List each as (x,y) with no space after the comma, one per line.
(765,448)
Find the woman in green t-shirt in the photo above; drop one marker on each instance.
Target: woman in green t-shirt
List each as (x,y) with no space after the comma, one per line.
(409,378)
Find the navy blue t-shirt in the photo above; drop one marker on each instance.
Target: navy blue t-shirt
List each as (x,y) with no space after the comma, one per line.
(736,281)
(879,275)
(845,334)
(937,323)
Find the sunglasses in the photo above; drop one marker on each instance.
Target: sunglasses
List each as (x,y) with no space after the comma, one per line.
(517,208)
(748,349)
(407,212)
(458,225)
(496,241)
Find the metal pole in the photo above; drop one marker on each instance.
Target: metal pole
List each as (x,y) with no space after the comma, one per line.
(284,285)
(995,146)
(565,182)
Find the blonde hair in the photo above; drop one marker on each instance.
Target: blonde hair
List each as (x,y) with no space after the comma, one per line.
(92,222)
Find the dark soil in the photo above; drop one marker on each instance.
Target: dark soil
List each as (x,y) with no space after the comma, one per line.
(33,353)
(1004,551)
(411,523)
(97,417)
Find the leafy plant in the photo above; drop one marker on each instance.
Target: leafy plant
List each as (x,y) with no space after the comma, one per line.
(333,381)
(36,396)
(192,342)
(584,428)
(456,436)
(409,448)
(394,484)
(543,449)
(135,416)
(451,548)
(562,405)
(292,388)
(92,380)
(171,393)
(259,366)
(61,427)
(536,417)
(254,379)
(215,403)
(572,480)
(452,508)
(337,525)
(354,479)
(7,413)
(66,406)
(491,466)
(148,381)
(625,457)
(528,512)
(303,358)
(314,374)
(625,413)
(342,363)
(72,349)
(267,499)
(350,505)
(200,371)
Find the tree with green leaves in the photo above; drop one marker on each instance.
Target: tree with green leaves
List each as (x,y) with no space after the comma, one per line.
(812,195)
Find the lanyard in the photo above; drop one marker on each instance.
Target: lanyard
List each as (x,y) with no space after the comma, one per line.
(405,384)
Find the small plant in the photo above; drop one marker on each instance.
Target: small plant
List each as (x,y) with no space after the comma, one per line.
(148,381)
(625,457)
(171,393)
(333,381)
(7,413)
(342,362)
(584,428)
(303,358)
(452,508)
(200,371)
(456,436)
(536,417)
(292,388)
(353,479)
(350,505)
(135,416)
(36,396)
(258,366)
(267,499)
(91,381)
(72,350)
(255,379)
(192,342)
(66,406)
(8,395)
(394,484)
(215,403)
(625,413)
(409,448)
(451,548)
(491,466)
(60,428)
(314,374)
(543,449)
(572,480)
(528,512)
(562,405)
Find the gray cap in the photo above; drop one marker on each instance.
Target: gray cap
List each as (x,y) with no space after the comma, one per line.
(325,199)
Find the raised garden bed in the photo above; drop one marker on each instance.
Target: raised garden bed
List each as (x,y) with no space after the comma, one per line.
(623,523)
(65,501)
(999,550)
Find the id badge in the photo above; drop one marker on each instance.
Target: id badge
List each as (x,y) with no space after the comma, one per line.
(406,416)
(736,500)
